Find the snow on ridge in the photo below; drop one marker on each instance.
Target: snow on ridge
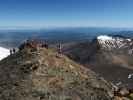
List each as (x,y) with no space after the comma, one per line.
(104,37)
(4,53)
(111,43)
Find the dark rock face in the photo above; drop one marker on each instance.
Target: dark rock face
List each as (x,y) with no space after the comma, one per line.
(40,75)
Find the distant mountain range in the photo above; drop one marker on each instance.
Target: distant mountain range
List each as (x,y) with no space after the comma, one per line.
(14,37)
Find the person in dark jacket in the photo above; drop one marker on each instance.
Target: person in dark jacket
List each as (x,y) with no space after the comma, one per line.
(59,48)
(45,45)
(13,50)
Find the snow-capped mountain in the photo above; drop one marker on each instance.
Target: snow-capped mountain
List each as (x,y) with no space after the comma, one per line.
(115,43)
(108,55)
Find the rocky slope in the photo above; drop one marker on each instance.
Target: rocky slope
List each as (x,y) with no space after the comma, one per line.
(109,56)
(43,74)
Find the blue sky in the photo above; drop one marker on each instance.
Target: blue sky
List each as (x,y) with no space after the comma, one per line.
(66,13)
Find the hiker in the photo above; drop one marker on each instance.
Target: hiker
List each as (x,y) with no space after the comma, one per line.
(13,50)
(45,45)
(60,48)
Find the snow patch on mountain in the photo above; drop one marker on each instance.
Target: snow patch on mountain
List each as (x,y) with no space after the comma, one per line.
(104,37)
(4,53)
(115,42)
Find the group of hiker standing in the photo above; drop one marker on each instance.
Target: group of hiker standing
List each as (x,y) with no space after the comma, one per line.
(35,44)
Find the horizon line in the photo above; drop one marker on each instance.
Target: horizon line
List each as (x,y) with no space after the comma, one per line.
(57,27)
